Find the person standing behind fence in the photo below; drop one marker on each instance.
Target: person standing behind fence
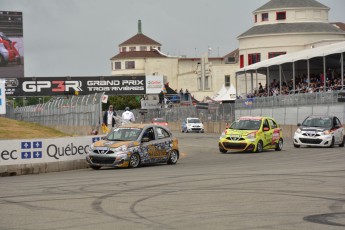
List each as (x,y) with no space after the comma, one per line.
(109,118)
(128,115)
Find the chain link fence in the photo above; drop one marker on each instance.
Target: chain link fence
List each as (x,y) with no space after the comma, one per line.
(83,114)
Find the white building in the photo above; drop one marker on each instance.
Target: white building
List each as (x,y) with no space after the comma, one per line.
(280,27)
(285,26)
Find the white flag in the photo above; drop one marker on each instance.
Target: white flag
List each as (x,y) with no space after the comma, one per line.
(104,98)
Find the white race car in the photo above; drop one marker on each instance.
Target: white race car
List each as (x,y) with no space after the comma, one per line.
(321,131)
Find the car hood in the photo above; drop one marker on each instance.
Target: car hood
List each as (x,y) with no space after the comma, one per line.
(239,132)
(115,144)
(315,129)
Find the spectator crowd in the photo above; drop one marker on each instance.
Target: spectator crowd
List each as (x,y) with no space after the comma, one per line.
(302,85)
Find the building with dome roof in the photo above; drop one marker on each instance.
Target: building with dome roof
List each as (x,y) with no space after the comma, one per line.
(280,27)
(283,27)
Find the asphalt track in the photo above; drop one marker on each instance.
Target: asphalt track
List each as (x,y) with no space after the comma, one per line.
(292,189)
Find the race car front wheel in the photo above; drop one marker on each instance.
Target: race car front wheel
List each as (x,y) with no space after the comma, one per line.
(259,147)
(221,149)
(134,160)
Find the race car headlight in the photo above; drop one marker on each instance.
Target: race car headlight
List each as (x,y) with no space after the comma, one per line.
(327,132)
(223,135)
(251,135)
(298,130)
(92,146)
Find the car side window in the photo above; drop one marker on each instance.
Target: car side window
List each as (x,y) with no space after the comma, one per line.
(149,133)
(273,124)
(337,121)
(162,133)
(265,125)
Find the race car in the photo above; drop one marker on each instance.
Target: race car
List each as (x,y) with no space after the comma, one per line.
(8,51)
(132,145)
(321,131)
(252,134)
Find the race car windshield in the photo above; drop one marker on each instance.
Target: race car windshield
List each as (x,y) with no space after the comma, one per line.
(159,120)
(194,121)
(246,125)
(124,134)
(318,122)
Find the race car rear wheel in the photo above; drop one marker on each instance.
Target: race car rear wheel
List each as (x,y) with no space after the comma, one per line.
(134,160)
(279,145)
(259,147)
(173,157)
(2,61)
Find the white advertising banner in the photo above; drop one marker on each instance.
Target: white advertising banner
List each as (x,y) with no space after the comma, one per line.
(15,152)
(150,104)
(154,84)
(2,97)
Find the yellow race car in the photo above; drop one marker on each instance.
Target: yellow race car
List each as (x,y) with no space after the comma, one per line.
(252,134)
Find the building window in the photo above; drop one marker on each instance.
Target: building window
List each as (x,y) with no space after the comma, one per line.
(281,15)
(255,18)
(227,81)
(254,58)
(264,17)
(132,48)
(123,49)
(231,60)
(208,82)
(143,48)
(130,65)
(275,54)
(199,83)
(241,61)
(117,65)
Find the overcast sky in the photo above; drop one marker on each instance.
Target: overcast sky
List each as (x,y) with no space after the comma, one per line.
(78,37)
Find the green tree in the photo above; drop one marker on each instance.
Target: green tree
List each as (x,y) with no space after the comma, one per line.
(121,102)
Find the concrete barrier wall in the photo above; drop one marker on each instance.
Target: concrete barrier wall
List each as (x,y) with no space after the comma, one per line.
(31,156)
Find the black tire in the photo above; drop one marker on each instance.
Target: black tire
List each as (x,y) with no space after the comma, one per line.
(259,147)
(296,146)
(134,160)
(19,61)
(95,167)
(343,142)
(173,157)
(2,61)
(332,144)
(279,145)
(221,149)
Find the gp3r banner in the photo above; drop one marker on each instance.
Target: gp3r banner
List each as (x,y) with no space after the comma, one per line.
(50,86)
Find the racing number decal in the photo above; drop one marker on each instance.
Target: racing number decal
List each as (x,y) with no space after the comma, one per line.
(276,135)
(154,152)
